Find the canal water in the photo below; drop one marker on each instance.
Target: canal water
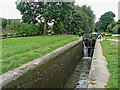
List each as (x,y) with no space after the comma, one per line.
(79,77)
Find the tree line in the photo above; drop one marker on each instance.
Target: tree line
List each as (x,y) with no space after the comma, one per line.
(5,22)
(106,23)
(65,16)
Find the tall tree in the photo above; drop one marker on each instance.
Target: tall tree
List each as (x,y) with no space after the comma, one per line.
(82,20)
(4,23)
(111,26)
(79,22)
(106,19)
(37,12)
(64,19)
(91,17)
(8,21)
(97,26)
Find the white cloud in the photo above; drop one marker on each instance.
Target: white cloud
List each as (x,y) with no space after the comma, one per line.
(101,6)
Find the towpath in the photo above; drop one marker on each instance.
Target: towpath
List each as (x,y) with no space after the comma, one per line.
(99,73)
(116,40)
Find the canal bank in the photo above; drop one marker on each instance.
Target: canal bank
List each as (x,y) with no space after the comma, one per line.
(79,77)
(99,74)
(66,67)
(49,71)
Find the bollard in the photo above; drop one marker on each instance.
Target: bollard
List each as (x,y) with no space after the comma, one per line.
(112,46)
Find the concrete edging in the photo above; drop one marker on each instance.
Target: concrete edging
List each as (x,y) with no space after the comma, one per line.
(13,75)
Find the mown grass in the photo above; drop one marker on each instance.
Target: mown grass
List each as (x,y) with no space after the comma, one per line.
(17,51)
(111,56)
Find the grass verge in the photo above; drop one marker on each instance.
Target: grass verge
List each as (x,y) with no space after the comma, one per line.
(111,56)
(17,51)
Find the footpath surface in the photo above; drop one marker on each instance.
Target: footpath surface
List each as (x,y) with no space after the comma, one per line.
(116,40)
(99,73)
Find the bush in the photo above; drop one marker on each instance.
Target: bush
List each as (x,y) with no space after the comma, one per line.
(4,23)
(111,26)
(115,29)
(23,29)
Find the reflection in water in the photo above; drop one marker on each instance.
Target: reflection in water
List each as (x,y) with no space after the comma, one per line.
(83,79)
(79,77)
(85,50)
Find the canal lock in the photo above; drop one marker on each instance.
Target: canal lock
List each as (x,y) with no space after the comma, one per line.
(79,77)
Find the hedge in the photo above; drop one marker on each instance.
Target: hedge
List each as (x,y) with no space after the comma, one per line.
(115,29)
(23,29)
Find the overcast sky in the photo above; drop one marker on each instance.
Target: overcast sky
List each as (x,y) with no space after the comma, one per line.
(8,8)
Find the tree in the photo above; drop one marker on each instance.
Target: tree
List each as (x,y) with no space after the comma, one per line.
(118,22)
(106,19)
(82,20)
(38,12)
(8,21)
(98,26)
(116,29)
(91,17)
(4,23)
(111,26)
(79,22)
(65,16)
(62,22)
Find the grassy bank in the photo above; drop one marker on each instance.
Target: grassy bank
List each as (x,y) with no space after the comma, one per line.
(112,59)
(17,51)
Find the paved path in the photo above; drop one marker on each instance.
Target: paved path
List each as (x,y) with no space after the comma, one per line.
(99,74)
(116,40)
(116,35)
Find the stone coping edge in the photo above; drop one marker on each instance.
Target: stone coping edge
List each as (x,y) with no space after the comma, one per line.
(99,74)
(93,58)
(94,55)
(17,72)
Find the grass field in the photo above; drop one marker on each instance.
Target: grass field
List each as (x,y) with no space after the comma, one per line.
(17,51)
(112,59)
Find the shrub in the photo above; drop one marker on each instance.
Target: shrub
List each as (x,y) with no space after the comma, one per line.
(4,23)
(115,29)
(23,29)
(8,21)
(111,26)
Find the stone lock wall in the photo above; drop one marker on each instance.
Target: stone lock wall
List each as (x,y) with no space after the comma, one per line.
(49,71)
